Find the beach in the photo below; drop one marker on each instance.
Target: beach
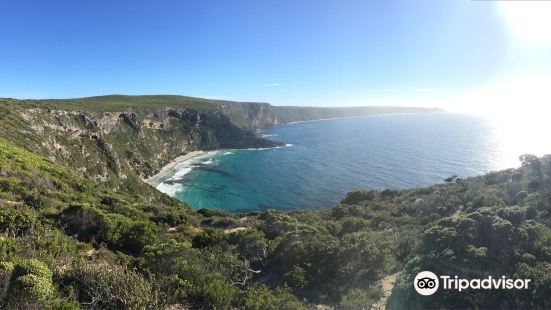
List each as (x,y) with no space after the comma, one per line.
(166,170)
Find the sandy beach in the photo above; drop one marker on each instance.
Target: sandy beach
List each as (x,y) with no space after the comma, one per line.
(169,168)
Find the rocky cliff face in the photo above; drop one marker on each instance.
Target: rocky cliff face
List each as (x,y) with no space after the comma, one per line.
(125,145)
(243,114)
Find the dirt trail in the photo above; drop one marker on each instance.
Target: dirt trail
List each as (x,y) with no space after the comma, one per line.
(232,230)
(388,284)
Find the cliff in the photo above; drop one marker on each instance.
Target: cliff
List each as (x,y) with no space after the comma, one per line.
(119,146)
(243,114)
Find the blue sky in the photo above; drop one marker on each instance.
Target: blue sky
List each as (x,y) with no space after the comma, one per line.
(320,53)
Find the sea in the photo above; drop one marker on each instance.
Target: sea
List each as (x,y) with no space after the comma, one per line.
(324,160)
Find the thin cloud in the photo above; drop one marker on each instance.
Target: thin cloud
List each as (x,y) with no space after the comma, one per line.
(386,90)
(428,90)
(272,85)
(419,90)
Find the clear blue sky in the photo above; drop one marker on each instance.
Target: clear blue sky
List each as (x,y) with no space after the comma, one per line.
(283,52)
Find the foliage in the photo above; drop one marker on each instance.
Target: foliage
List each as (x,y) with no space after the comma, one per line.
(359,299)
(261,297)
(30,283)
(109,286)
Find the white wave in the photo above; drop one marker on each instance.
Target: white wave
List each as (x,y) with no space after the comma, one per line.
(185,167)
(270,135)
(170,188)
(207,155)
(181,170)
(269,148)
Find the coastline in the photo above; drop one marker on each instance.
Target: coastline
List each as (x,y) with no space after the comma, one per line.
(166,170)
(355,116)
(155,179)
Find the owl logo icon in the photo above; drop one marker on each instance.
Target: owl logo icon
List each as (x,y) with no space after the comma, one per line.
(426,283)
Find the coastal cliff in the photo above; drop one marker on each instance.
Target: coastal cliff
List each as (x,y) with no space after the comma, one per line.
(120,146)
(243,114)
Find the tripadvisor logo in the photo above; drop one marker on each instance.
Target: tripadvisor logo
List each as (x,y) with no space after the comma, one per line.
(426,283)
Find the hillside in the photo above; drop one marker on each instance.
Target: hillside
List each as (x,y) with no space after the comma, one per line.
(80,230)
(121,145)
(244,114)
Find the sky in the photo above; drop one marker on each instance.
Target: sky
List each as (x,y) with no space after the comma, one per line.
(455,54)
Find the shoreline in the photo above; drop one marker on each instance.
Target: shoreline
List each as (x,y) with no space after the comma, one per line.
(355,116)
(344,117)
(155,179)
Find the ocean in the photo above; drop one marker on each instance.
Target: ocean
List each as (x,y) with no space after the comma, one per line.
(324,160)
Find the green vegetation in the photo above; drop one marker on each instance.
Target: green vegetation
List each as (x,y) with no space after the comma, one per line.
(117,103)
(70,239)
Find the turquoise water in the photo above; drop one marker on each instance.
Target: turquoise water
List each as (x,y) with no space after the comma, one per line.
(327,159)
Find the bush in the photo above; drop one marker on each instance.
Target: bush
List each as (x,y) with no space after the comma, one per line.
(356,299)
(35,286)
(32,266)
(15,221)
(261,297)
(252,245)
(214,293)
(109,286)
(30,284)
(209,237)
(118,231)
(296,278)
(355,197)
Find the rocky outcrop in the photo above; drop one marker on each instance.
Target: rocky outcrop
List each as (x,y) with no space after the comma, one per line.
(123,145)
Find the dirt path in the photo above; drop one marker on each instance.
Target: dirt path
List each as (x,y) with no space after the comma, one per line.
(388,284)
(232,230)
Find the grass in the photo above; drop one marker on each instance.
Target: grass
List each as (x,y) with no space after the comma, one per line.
(120,103)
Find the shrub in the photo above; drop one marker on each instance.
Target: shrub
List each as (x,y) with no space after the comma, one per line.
(355,197)
(32,266)
(260,298)
(109,286)
(35,286)
(209,237)
(118,231)
(30,284)
(214,293)
(15,221)
(359,299)
(296,278)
